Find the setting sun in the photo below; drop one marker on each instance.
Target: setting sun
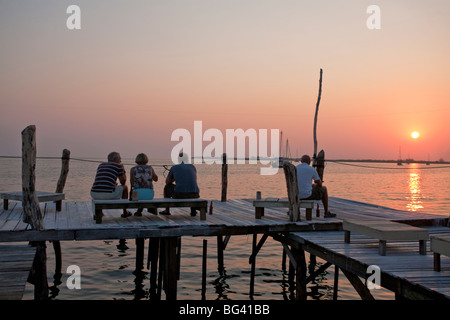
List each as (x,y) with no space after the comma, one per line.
(415,135)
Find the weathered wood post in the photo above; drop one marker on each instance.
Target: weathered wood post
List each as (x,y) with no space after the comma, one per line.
(316,115)
(32,212)
(300,272)
(152,263)
(170,266)
(321,156)
(63,176)
(220,249)
(297,270)
(204,267)
(224,178)
(253,266)
(65,158)
(319,164)
(336,283)
(140,244)
(31,209)
(290,173)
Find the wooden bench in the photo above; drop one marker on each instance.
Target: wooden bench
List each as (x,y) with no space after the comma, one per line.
(385,230)
(41,196)
(439,245)
(99,205)
(260,204)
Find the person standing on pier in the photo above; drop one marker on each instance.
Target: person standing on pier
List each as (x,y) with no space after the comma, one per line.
(105,185)
(308,190)
(184,174)
(142,177)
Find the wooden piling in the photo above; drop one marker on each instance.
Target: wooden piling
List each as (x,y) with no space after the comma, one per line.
(162,258)
(204,267)
(317,113)
(253,266)
(220,249)
(140,243)
(300,272)
(152,264)
(336,283)
(171,267)
(65,158)
(38,274)
(58,261)
(32,212)
(178,255)
(224,178)
(63,176)
(319,164)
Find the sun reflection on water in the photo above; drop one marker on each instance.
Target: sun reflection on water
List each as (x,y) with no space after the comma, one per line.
(415,195)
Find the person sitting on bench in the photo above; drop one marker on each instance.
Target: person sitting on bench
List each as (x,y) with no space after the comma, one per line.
(105,184)
(308,191)
(142,177)
(184,174)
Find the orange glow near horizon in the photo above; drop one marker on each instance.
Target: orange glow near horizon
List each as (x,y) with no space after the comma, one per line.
(232,65)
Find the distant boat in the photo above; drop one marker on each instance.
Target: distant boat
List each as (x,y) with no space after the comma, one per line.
(399,161)
(282,158)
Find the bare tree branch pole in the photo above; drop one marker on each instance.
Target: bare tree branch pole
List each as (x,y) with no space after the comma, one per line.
(31,210)
(315,117)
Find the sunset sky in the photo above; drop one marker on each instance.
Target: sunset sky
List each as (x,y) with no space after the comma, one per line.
(138,70)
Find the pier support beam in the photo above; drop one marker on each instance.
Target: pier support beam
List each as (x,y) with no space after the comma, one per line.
(221,246)
(171,267)
(140,242)
(223,197)
(204,266)
(163,254)
(297,270)
(32,212)
(152,264)
(336,283)
(362,290)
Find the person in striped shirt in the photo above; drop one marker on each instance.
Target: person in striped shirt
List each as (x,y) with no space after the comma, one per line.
(105,185)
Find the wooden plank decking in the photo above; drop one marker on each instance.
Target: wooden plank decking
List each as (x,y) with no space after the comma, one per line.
(15,265)
(403,270)
(75,221)
(237,217)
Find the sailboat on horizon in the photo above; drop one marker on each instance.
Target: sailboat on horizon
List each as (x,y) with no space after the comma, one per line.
(399,161)
(281,158)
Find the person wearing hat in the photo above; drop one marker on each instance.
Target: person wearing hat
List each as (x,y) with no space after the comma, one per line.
(181,182)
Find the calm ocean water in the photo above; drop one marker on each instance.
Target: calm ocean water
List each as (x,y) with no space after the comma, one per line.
(107,270)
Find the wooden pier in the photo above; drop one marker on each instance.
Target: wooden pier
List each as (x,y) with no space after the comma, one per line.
(403,270)
(15,265)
